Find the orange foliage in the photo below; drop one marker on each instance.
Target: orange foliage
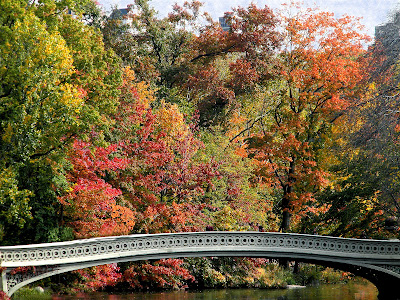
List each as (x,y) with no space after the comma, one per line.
(162,178)
(320,73)
(91,205)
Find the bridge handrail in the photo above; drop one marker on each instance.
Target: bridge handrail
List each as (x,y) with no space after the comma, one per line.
(136,244)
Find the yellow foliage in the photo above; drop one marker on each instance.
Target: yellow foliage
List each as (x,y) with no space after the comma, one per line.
(172,122)
(217,277)
(71,97)
(229,219)
(44,48)
(8,134)
(144,94)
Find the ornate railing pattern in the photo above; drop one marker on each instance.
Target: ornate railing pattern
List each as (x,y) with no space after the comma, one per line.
(65,256)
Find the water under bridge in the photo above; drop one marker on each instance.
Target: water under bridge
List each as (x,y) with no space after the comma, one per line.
(376,260)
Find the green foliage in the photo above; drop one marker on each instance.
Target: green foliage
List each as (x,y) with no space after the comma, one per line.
(38,106)
(238,200)
(274,276)
(153,47)
(118,37)
(371,173)
(98,73)
(57,83)
(45,226)
(228,272)
(39,110)
(31,294)
(309,274)
(160,125)
(14,202)
(354,212)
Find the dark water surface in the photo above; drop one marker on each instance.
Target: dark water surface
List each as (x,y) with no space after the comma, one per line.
(351,291)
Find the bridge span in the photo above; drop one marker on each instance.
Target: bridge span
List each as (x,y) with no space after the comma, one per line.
(376,260)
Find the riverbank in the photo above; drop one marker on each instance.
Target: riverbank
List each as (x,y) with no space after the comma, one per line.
(220,274)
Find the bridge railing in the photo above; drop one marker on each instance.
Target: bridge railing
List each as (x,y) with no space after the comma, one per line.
(56,258)
(140,244)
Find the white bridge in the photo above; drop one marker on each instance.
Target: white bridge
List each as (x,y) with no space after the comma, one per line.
(375,260)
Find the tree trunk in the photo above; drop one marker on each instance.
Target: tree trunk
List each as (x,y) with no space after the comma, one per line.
(286,203)
(285,221)
(286,206)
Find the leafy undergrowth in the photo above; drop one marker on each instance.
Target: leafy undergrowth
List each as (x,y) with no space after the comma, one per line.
(26,293)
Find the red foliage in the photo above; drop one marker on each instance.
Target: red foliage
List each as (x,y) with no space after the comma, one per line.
(162,177)
(23,270)
(99,277)
(207,81)
(91,205)
(165,273)
(148,181)
(244,76)
(254,30)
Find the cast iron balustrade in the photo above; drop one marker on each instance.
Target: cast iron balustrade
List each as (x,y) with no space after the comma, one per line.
(376,260)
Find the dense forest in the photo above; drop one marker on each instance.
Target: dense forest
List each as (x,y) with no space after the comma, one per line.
(121,123)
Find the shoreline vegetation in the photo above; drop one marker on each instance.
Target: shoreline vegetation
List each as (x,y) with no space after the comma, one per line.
(273,276)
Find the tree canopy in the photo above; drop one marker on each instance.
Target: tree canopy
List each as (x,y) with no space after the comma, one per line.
(113,124)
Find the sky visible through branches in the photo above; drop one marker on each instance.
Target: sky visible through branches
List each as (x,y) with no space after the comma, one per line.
(373,12)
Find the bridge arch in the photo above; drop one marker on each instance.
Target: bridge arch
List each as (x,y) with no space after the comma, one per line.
(375,260)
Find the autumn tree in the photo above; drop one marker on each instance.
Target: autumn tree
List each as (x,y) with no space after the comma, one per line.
(39,108)
(155,48)
(370,145)
(193,64)
(319,75)
(227,64)
(51,93)
(146,180)
(92,207)
(163,178)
